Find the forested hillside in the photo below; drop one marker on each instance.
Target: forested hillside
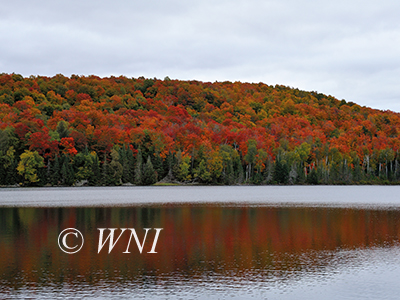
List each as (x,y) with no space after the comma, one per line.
(118,130)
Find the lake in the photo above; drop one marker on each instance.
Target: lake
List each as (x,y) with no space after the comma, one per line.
(194,242)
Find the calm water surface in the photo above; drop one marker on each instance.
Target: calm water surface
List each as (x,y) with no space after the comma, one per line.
(216,243)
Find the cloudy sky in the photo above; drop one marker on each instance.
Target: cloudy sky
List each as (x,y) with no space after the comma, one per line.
(349,49)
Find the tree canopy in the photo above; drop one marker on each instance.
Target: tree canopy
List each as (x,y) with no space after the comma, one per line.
(135,130)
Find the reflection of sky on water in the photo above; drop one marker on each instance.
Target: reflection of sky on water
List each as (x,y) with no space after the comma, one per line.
(375,196)
(350,274)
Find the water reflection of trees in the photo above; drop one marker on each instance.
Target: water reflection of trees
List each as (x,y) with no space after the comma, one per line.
(196,241)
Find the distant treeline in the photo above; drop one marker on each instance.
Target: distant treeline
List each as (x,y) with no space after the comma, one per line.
(118,130)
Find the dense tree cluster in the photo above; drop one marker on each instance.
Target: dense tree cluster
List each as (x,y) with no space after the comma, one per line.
(118,130)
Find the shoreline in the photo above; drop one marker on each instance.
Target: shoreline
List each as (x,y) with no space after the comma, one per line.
(198,184)
(107,196)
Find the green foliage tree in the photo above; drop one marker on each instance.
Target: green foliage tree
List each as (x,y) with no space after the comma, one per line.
(184,167)
(84,165)
(29,164)
(63,129)
(202,173)
(215,165)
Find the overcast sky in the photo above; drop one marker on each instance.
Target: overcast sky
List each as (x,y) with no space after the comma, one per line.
(349,49)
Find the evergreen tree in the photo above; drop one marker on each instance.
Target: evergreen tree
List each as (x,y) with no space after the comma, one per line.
(8,170)
(175,166)
(312,178)
(138,168)
(158,166)
(131,165)
(107,173)
(67,174)
(357,175)
(49,168)
(293,174)
(96,175)
(42,175)
(56,172)
(4,139)
(257,177)
(12,176)
(229,177)
(268,170)
(149,174)
(126,171)
(2,173)
(116,168)
(237,168)
(168,164)
(281,171)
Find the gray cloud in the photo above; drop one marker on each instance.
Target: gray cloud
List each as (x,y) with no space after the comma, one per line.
(348,49)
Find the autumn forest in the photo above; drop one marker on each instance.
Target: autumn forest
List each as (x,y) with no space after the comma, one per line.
(64,131)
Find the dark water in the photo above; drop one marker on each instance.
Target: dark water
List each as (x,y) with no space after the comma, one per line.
(206,250)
